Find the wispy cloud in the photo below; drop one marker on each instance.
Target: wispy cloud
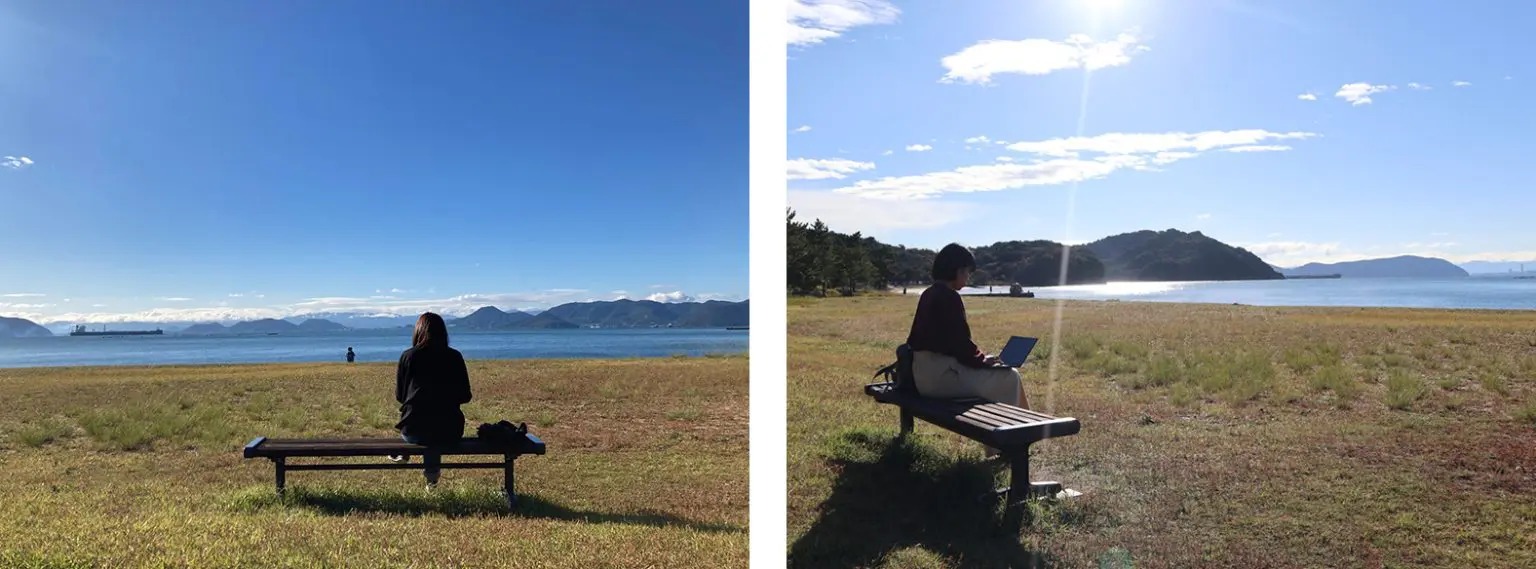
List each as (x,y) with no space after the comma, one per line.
(1296,253)
(15,162)
(1060,161)
(888,153)
(23,295)
(1360,93)
(803,128)
(1203,216)
(978,63)
(1460,84)
(812,22)
(1419,87)
(1004,158)
(1307,97)
(674,296)
(173,299)
(918,148)
(978,140)
(849,213)
(821,169)
(1258,148)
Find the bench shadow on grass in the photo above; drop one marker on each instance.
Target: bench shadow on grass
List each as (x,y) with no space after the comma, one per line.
(452,503)
(892,494)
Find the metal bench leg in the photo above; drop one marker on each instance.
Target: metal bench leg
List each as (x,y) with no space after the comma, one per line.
(906,422)
(282,473)
(508,481)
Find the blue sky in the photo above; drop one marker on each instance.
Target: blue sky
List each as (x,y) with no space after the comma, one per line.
(231,159)
(1304,130)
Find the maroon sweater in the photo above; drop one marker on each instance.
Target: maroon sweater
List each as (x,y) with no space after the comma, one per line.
(939,326)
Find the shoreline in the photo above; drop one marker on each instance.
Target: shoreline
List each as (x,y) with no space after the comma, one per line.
(711,355)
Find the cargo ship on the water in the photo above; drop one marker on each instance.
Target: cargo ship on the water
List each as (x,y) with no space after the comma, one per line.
(81,331)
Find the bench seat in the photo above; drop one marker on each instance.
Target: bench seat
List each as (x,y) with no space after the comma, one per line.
(1008,428)
(280,450)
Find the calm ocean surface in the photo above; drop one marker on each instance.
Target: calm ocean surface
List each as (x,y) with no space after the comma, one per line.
(370,345)
(1471,292)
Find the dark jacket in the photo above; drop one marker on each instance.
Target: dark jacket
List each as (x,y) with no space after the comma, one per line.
(430,384)
(940,326)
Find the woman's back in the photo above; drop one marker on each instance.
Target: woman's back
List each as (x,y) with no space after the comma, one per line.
(431,382)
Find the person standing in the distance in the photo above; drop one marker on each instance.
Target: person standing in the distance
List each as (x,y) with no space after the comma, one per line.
(946,364)
(431,382)
(350,355)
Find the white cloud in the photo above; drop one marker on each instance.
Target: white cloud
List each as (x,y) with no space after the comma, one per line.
(1062,162)
(1307,97)
(978,63)
(978,140)
(1203,216)
(811,22)
(887,153)
(1258,148)
(1164,158)
(849,213)
(991,177)
(803,128)
(1419,87)
(821,169)
(1004,158)
(1360,93)
(1460,84)
(173,299)
(674,296)
(453,306)
(15,162)
(918,148)
(23,295)
(1141,143)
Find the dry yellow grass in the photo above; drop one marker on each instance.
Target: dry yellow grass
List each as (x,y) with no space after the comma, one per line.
(141,467)
(1213,436)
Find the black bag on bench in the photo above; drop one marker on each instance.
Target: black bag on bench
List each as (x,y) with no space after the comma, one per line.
(504,432)
(900,372)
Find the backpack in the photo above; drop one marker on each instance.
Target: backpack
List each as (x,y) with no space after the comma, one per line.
(899,373)
(504,432)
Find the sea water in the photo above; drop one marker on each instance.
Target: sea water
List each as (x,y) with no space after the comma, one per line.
(1479,292)
(370,346)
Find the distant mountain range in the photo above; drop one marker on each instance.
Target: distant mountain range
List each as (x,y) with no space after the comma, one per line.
(263,326)
(612,314)
(600,314)
(21,328)
(1406,266)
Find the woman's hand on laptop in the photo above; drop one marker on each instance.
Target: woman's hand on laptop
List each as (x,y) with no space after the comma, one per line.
(992,361)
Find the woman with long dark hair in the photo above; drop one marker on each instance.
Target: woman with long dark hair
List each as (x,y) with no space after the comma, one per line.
(946,364)
(431,383)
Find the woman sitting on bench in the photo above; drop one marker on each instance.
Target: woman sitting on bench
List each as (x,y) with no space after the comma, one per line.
(946,364)
(431,383)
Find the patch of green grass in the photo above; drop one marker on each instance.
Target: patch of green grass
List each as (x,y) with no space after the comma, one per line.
(1493,382)
(1183,394)
(545,419)
(1403,389)
(689,415)
(1162,370)
(1449,382)
(42,432)
(26,560)
(1526,413)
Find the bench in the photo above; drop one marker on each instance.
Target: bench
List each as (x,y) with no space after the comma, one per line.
(1009,429)
(280,450)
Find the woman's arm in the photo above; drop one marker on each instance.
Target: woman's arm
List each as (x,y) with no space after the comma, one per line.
(463,377)
(402,378)
(958,334)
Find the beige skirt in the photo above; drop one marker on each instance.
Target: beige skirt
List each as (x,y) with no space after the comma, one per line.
(944,377)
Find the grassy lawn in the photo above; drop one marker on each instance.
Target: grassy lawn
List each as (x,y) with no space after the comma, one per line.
(141,466)
(1213,436)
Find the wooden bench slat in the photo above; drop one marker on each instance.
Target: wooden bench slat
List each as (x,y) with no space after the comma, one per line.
(1018,413)
(994,417)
